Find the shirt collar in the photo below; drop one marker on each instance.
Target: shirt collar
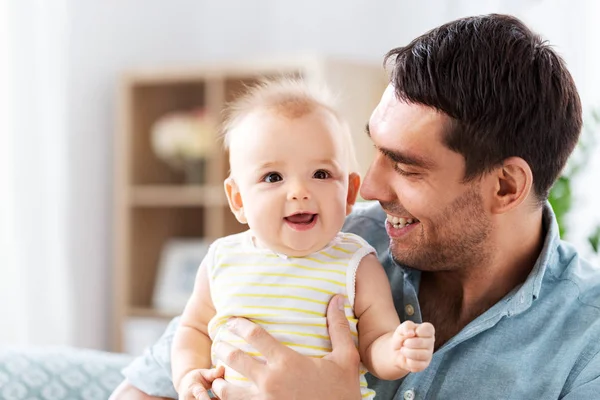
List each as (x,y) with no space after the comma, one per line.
(521,298)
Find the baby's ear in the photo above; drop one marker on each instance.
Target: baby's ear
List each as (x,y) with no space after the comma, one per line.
(353,188)
(234,198)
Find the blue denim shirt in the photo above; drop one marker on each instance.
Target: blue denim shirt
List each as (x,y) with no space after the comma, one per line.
(541,341)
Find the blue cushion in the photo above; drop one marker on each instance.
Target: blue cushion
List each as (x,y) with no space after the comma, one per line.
(59,373)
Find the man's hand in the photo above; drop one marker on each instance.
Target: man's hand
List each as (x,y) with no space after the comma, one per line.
(413,345)
(287,374)
(195,384)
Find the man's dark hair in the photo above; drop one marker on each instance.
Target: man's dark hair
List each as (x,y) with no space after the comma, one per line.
(508,93)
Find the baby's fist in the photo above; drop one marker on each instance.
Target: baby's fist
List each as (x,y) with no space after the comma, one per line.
(413,345)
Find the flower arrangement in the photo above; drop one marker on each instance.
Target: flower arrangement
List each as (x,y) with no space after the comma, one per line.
(184,140)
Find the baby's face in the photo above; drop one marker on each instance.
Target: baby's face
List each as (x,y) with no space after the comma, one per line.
(292,177)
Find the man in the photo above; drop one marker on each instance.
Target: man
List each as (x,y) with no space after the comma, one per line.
(478,120)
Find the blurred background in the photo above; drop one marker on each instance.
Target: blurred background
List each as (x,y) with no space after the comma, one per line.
(109,191)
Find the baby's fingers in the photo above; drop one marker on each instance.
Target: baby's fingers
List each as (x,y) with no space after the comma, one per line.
(425,330)
(406,329)
(214,373)
(199,392)
(416,354)
(419,343)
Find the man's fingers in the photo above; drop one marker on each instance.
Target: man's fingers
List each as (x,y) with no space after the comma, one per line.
(343,348)
(238,360)
(228,391)
(258,338)
(425,330)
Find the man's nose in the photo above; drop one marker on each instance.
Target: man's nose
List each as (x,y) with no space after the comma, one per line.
(376,185)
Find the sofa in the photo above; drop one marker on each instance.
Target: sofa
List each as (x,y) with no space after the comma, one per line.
(57,373)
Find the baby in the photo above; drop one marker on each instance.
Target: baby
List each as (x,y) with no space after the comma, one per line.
(293,182)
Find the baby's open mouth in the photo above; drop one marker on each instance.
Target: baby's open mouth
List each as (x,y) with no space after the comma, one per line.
(301,218)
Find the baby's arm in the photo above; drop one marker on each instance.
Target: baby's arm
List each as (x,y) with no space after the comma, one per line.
(388,349)
(190,351)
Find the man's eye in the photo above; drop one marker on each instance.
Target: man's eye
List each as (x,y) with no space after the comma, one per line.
(321,174)
(403,172)
(272,177)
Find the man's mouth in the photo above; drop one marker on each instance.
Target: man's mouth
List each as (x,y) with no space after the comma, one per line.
(400,222)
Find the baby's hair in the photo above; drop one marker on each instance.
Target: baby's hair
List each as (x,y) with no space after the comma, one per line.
(290,98)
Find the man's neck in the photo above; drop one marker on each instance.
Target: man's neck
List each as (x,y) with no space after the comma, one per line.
(455,298)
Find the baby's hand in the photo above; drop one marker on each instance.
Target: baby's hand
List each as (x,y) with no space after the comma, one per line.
(413,345)
(195,384)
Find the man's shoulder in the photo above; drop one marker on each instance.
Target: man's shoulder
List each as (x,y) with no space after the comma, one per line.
(367,220)
(369,211)
(569,268)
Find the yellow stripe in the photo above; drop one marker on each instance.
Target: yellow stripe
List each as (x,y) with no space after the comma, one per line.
(284,285)
(299,266)
(276,296)
(331,256)
(236,378)
(299,334)
(258,315)
(338,248)
(320,314)
(253,318)
(291,344)
(307,346)
(353,241)
(286,276)
(263,322)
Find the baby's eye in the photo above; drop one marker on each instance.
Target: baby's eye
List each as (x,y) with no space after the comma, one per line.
(321,174)
(272,177)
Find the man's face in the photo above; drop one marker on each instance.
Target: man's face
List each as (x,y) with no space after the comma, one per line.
(435,221)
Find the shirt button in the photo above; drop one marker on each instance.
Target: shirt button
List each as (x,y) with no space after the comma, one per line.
(409,395)
(409,309)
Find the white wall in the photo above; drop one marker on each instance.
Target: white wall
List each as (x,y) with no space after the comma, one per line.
(109,36)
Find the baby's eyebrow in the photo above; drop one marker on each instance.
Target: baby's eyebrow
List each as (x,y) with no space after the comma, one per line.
(266,165)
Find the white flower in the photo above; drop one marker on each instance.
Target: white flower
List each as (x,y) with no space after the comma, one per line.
(184,136)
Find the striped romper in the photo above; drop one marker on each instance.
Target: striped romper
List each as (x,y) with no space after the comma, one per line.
(287,296)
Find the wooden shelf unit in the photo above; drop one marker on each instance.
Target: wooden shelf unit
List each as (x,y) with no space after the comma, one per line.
(152,202)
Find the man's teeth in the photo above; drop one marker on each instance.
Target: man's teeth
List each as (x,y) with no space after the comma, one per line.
(400,222)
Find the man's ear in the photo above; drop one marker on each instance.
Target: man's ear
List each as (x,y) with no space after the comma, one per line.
(234,198)
(353,188)
(512,185)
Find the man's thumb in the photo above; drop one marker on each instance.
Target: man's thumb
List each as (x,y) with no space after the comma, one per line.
(343,347)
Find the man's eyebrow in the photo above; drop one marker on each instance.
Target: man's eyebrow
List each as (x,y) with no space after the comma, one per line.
(367,130)
(407,159)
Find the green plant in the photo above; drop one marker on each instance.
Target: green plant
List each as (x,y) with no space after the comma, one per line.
(561,194)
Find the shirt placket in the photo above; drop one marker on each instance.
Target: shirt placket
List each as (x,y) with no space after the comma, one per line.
(416,386)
